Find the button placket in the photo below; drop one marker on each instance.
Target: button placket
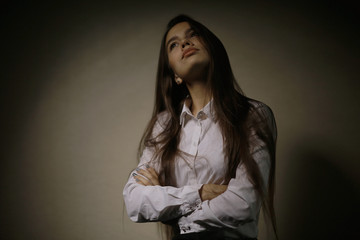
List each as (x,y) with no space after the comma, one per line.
(195,138)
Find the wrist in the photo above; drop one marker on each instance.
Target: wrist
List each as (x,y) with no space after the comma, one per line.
(201,193)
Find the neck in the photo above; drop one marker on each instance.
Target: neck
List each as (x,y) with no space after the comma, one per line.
(200,96)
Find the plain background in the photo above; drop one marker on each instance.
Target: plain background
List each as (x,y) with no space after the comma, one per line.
(77,88)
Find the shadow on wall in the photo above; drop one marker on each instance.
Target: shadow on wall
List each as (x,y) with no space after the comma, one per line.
(322,199)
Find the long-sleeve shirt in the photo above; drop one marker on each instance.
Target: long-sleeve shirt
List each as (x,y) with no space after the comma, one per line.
(201,161)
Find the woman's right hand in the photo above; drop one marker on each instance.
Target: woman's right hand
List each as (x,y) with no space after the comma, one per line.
(210,191)
(146,177)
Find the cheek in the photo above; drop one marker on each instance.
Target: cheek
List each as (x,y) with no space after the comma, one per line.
(171,64)
(172,60)
(203,48)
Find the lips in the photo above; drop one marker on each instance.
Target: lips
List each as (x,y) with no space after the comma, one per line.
(189,51)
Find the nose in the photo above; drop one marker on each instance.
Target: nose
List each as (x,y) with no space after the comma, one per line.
(185,42)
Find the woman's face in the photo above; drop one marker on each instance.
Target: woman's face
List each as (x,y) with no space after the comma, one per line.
(187,56)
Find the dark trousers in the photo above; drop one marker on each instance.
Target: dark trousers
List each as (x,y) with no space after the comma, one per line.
(207,235)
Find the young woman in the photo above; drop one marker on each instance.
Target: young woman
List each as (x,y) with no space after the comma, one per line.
(208,154)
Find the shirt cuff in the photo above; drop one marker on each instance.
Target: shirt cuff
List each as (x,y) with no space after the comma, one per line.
(192,199)
(210,218)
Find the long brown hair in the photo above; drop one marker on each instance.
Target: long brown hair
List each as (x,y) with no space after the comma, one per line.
(238,119)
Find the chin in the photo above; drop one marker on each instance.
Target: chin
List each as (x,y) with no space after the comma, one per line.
(196,71)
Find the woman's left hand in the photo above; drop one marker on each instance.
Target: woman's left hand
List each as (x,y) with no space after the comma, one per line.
(146,177)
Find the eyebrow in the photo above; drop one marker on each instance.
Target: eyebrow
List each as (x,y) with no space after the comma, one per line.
(176,37)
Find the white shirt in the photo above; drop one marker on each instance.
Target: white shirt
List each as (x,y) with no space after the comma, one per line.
(235,211)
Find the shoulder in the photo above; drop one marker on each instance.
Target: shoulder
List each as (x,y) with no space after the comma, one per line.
(260,107)
(162,119)
(262,114)
(161,123)
(260,110)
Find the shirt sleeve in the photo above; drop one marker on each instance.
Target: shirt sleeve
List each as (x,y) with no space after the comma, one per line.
(239,205)
(158,203)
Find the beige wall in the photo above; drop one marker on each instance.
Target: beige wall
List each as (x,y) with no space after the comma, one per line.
(78,84)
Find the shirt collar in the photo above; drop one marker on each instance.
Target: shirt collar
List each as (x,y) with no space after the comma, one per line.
(207,111)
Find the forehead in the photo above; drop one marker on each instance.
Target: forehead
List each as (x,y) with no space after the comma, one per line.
(178,30)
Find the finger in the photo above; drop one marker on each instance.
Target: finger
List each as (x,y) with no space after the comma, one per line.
(142,180)
(148,175)
(135,176)
(153,172)
(155,178)
(144,172)
(138,181)
(150,170)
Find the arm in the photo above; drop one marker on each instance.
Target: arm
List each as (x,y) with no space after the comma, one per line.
(152,202)
(158,203)
(149,177)
(239,205)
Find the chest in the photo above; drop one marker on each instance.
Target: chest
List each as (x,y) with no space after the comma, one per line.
(202,157)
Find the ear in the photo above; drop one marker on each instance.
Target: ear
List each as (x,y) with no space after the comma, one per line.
(178,80)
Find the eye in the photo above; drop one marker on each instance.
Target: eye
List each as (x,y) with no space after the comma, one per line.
(172,45)
(194,34)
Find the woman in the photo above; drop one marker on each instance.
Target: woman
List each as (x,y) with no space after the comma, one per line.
(208,153)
